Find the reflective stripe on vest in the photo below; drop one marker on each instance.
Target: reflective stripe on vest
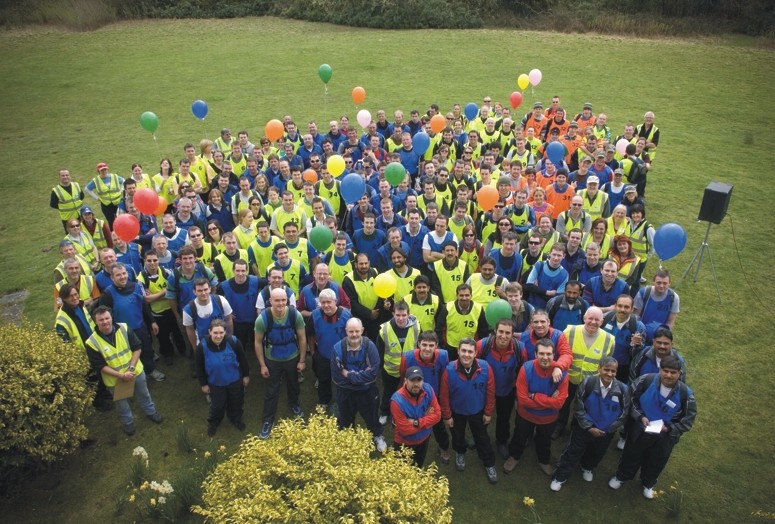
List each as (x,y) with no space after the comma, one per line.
(110,193)
(586,359)
(69,203)
(116,356)
(393,347)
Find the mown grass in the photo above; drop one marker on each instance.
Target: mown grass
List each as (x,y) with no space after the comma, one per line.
(74,99)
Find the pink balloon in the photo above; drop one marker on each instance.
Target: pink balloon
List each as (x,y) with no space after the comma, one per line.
(621,146)
(363,118)
(535,77)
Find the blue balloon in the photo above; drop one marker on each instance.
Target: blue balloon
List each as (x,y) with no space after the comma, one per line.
(556,152)
(353,188)
(471,110)
(669,240)
(421,142)
(199,108)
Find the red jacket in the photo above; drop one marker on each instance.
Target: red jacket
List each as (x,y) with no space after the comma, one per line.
(401,422)
(445,401)
(540,400)
(564,355)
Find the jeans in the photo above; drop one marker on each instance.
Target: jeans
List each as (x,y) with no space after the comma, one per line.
(143,397)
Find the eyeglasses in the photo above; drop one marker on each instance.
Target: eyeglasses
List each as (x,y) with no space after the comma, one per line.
(505,224)
(213,228)
(316,160)
(196,235)
(348,162)
(73,225)
(533,243)
(577,205)
(499,207)
(469,235)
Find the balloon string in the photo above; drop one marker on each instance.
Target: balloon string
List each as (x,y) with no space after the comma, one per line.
(155,141)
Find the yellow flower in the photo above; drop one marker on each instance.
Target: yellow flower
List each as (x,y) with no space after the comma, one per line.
(527,501)
(207,454)
(222,448)
(152,502)
(132,497)
(144,486)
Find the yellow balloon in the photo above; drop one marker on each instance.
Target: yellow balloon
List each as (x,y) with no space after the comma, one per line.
(335,165)
(523,81)
(385,285)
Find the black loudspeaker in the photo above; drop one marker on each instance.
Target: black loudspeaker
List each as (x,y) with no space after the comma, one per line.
(715,202)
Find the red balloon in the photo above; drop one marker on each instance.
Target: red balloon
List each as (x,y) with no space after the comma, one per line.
(515,99)
(161,207)
(126,227)
(146,200)
(487,197)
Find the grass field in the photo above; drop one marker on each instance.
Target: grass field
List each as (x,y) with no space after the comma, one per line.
(74,99)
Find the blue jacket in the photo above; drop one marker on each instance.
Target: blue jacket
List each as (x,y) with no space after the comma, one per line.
(363,365)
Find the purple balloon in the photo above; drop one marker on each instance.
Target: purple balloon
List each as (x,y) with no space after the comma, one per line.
(421,142)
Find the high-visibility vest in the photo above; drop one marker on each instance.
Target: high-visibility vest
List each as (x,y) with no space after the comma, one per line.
(639,238)
(109,193)
(393,347)
(483,293)
(227,265)
(69,204)
(365,289)
(449,279)
(67,323)
(85,287)
(155,286)
(424,313)
(460,326)
(117,356)
(586,359)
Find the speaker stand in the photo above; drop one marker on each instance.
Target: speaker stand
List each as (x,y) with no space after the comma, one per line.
(705,246)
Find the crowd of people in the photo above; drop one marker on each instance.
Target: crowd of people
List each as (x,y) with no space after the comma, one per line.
(229,267)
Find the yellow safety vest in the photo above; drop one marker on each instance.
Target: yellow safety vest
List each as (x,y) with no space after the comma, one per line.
(483,293)
(471,258)
(283,217)
(393,347)
(405,284)
(85,267)
(586,359)
(639,238)
(118,356)
(74,336)
(461,326)
(339,271)
(208,254)
(594,208)
(262,255)
(329,194)
(292,275)
(85,247)
(364,289)
(652,150)
(300,252)
(604,248)
(424,313)
(611,230)
(110,193)
(155,285)
(69,203)
(85,287)
(571,223)
(449,279)
(227,265)
(244,238)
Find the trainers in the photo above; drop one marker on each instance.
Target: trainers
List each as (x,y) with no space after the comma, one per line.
(211,429)
(503,450)
(620,444)
(444,456)
(460,462)
(587,475)
(239,425)
(643,280)
(297,412)
(614,483)
(510,465)
(129,429)
(380,443)
(556,485)
(648,492)
(383,420)
(547,469)
(317,383)
(266,430)
(158,376)
(156,418)
(492,475)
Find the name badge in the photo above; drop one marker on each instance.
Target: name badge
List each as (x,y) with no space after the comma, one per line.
(670,404)
(615,399)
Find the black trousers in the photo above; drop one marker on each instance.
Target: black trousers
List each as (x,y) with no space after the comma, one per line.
(277,370)
(169,336)
(227,400)
(365,401)
(478,430)
(419,451)
(146,352)
(109,212)
(562,420)
(503,407)
(245,333)
(441,435)
(646,451)
(523,430)
(582,448)
(389,386)
(322,368)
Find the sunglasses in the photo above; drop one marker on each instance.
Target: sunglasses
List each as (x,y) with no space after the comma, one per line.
(533,243)
(500,207)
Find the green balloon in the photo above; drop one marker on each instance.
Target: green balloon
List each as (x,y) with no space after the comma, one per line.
(325,72)
(497,310)
(149,121)
(321,237)
(395,173)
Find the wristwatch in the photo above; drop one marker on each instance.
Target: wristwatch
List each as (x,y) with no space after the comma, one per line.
(416,423)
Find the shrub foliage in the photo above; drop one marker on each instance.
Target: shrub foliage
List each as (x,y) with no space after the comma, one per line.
(315,473)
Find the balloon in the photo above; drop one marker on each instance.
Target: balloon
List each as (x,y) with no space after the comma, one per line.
(335,165)
(487,197)
(364,118)
(515,99)
(274,130)
(438,123)
(353,188)
(325,72)
(535,77)
(523,81)
(161,206)
(321,237)
(471,110)
(395,173)
(555,151)
(385,285)
(359,95)
(146,200)
(421,142)
(149,121)
(126,227)
(669,240)
(199,108)
(496,310)
(310,175)
(621,146)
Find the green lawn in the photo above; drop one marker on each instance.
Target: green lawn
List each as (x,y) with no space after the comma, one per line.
(72,100)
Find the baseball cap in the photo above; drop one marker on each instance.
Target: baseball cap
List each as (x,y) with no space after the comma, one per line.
(611,148)
(586,159)
(85,210)
(101,166)
(630,188)
(599,153)
(414,373)
(593,180)
(618,171)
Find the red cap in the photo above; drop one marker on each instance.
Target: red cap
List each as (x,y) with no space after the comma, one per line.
(101,166)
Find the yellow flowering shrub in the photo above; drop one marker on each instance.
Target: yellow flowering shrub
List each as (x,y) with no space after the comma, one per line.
(315,473)
(44,396)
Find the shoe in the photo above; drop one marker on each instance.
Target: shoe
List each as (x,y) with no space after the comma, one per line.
(444,456)
(556,485)
(460,462)
(648,492)
(297,412)
(620,444)
(510,465)
(614,483)
(383,420)
(300,377)
(317,383)
(156,418)
(503,451)
(547,469)
(587,475)
(380,443)
(266,430)
(239,425)
(492,475)
(643,280)
(558,432)
(158,376)
(211,429)
(129,429)
(167,360)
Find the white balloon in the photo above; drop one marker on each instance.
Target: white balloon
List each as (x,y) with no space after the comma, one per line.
(364,118)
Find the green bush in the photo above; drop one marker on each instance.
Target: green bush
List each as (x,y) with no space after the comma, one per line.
(44,396)
(314,473)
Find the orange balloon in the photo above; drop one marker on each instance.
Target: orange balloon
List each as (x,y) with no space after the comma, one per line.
(274,130)
(161,207)
(359,95)
(487,197)
(310,176)
(438,123)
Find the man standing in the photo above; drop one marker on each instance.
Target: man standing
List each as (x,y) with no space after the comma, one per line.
(657,305)
(309,298)
(67,198)
(241,292)
(114,351)
(663,409)
(601,407)
(325,328)
(462,318)
(201,311)
(106,187)
(447,271)
(359,288)
(547,279)
(567,309)
(629,334)
(602,291)
(415,411)
(649,359)
(396,337)
(467,397)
